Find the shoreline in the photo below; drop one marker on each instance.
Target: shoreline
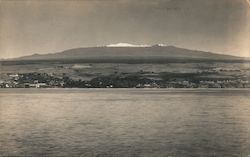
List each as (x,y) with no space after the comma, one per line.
(3,90)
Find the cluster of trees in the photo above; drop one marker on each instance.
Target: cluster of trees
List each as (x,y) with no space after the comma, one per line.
(40,77)
(107,81)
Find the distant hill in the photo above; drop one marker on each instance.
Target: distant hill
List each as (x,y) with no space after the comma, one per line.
(128,51)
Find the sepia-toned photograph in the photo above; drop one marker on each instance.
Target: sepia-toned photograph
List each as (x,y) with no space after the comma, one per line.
(125,78)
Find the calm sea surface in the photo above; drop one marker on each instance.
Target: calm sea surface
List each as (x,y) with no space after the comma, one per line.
(125,122)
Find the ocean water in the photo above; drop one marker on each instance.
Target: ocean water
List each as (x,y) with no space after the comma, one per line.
(125,122)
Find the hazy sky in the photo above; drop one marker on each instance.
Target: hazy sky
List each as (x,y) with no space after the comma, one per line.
(34,26)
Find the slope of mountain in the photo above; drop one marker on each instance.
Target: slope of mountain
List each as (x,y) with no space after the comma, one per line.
(129,52)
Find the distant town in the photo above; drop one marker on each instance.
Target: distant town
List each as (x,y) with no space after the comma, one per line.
(133,80)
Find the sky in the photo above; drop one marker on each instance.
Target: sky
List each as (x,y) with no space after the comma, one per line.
(49,26)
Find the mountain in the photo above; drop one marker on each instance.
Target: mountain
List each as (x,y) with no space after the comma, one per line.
(129,51)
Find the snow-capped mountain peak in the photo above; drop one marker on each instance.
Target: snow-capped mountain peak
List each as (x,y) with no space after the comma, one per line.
(134,45)
(126,45)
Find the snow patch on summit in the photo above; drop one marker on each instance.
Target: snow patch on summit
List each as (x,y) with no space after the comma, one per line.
(126,45)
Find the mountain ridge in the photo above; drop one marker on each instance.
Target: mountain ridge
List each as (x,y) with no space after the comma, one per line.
(129,51)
